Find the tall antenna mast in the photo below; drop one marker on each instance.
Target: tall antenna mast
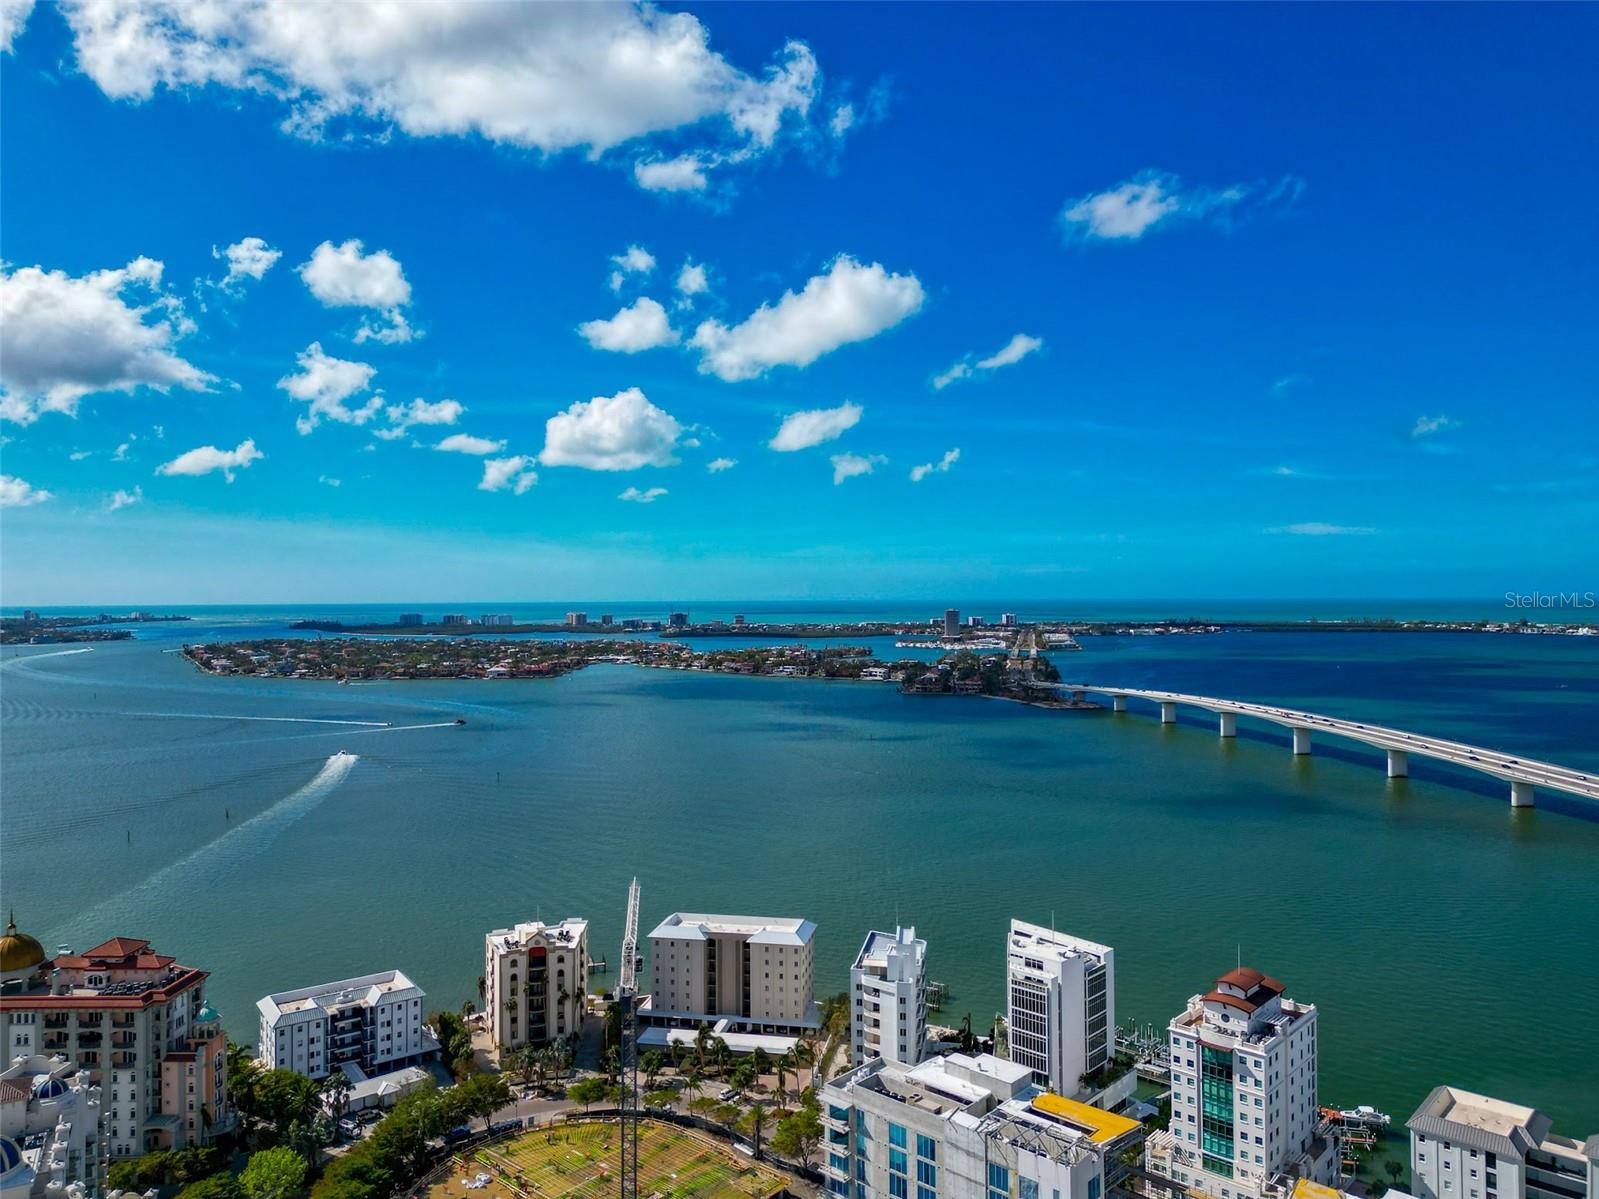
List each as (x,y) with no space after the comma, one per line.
(627,996)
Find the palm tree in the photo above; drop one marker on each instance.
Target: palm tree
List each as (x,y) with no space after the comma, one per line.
(467,1009)
(702,1044)
(692,1083)
(651,1064)
(761,1060)
(336,1093)
(785,1067)
(723,1056)
(757,1123)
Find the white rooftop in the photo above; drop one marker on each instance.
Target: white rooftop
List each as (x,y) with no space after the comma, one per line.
(878,945)
(1049,942)
(568,932)
(367,990)
(761,930)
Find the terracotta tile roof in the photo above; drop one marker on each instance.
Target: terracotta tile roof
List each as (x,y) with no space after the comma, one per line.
(118,947)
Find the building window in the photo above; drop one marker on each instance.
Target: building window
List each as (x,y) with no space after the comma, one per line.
(896,1135)
(1093,1187)
(1026,1188)
(998,1181)
(926,1147)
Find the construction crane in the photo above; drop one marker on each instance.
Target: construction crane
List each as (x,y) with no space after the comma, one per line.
(627,997)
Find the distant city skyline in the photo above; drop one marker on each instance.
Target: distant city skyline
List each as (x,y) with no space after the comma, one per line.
(838,304)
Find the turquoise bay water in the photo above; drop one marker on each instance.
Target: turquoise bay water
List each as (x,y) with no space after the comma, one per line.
(1426,918)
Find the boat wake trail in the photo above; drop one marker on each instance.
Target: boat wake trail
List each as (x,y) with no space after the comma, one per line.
(214,862)
(362,724)
(18,663)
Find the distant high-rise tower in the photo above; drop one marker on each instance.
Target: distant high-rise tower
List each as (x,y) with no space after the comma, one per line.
(888,985)
(1062,1005)
(952,622)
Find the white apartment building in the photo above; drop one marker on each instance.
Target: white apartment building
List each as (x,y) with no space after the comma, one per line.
(1468,1146)
(750,978)
(888,998)
(963,1127)
(1061,1005)
(535,981)
(50,1142)
(1244,1121)
(373,1023)
(136,1022)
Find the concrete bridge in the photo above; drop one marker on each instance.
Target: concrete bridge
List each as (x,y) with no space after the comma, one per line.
(1523,774)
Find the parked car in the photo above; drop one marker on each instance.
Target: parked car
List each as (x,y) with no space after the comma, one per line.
(350,1128)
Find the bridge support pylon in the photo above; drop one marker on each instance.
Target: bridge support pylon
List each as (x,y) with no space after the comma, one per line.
(1301,741)
(1168,712)
(1398,764)
(1229,723)
(1118,703)
(1520,794)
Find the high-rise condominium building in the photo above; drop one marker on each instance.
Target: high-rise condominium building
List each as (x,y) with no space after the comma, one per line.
(1468,1146)
(535,981)
(750,978)
(952,622)
(888,998)
(1243,1087)
(959,1126)
(1061,994)
(136,1022)
(372,1023)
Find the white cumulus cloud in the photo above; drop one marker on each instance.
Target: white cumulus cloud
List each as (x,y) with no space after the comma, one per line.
(648,496)
(13,18)
(643,325)
(125,499)
(402,417)
(1013,351)
(685,173)
(344,276)
(718,465)
(19,493)
(801,430)
(847,466)
(207,458)
(620,432)
(848,303)
(1426,426)
(551,77)
(465,443)
(514,474)
(63,337)
(692,280)
(325,383)
(1155,199)
(918,473)
(249,258)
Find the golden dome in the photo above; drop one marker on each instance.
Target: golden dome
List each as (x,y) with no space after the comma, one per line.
(18,951)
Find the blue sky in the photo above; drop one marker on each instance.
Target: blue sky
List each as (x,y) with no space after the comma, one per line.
(1268,301)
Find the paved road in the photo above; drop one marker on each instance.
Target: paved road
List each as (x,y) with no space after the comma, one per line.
(1474,757)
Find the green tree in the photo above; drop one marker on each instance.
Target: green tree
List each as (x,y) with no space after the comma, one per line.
(798,1134)
(650,1064)
(588,1091)
(284,1099)
(336,1094)
(455,1040)
(752,1125)
(274,1174)
(481,1095)
(218,1186)
(743,1077)
(761,1061)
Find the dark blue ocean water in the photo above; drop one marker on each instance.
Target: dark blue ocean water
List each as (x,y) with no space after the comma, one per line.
(1423,915)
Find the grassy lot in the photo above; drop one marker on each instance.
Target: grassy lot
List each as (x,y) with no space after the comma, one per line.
(579,1160)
